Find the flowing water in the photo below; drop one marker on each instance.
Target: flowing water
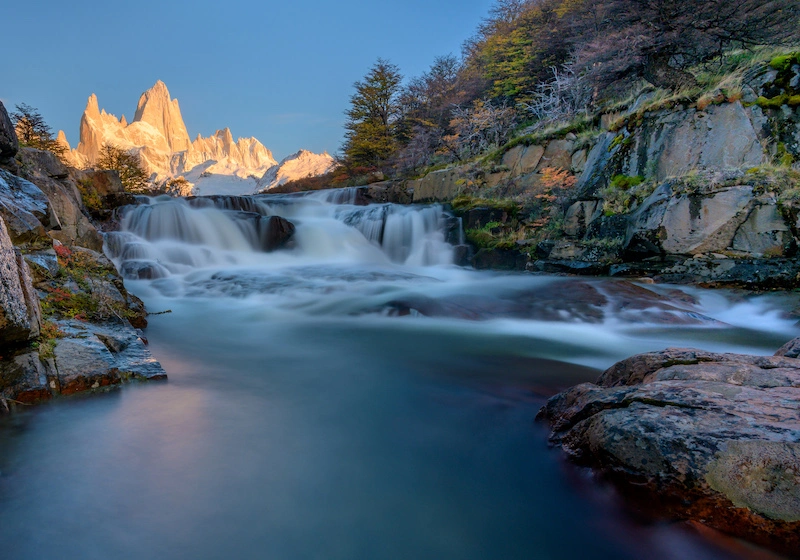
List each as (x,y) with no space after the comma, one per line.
(352,395)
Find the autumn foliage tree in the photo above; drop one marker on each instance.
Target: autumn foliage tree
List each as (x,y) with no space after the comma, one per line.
(129,166)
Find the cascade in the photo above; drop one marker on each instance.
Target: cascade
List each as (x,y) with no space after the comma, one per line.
(164,236)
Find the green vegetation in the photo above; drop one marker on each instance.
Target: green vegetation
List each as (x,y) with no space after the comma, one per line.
(465,203)
(624,193)
(89,195)
(493,235)
(79,290)
(49,334)
(129,166)
(32,130)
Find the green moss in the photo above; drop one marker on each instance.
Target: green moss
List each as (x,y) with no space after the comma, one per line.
(624,193)
(625,182)
(89,195)
(464,203)
(782,63)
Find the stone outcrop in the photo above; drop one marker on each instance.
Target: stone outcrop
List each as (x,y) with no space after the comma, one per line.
(25,208)
(8,137)
(695,435)
(442,185)
(69,225)
(20,316)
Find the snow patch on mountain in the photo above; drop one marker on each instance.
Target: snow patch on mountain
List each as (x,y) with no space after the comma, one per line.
(297,166)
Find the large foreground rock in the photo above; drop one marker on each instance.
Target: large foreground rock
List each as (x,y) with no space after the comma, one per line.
(19,304)
(695,435)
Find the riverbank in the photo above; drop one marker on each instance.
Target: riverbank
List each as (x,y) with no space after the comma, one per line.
(68,323)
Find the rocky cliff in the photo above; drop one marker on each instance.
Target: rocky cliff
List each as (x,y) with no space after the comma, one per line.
(689,190)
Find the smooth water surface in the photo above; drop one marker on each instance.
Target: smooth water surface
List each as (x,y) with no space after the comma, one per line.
(352,396)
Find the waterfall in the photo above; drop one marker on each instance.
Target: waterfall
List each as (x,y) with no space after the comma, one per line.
(164,237)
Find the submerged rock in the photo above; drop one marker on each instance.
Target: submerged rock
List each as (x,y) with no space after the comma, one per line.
(695,435)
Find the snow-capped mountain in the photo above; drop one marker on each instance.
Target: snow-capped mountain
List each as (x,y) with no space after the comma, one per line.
(212,165)
(297,166)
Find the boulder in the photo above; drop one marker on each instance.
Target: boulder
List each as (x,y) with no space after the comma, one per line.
(25,209)
(476,218)
(93,356)
(580,215)
(275,232)
(523,159)
(8,136)
(691,223)
(72,227)
(19,304)
(579,161)
(695,435)
(764,231)
(499,259)
(558,154)
(442,185)
(395,192)
(43,162)
(26,378)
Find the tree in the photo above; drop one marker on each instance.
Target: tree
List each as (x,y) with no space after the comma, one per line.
(373,118)
(33,131)
(658,40)
(129,166)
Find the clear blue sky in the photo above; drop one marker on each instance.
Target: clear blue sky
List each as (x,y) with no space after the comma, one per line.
(279,71)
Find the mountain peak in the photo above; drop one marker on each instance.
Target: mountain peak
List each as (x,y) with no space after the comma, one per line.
(159,110)
(92,106)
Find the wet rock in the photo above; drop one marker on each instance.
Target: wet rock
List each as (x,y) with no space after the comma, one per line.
(476,218)
(142,270)
(25,378)
(94,356)
(395,192)
(695,435)
(499,259)
(462,255)
(275,232)
(84,364)
(8,136)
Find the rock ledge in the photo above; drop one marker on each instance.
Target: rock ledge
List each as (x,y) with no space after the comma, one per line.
(697,435)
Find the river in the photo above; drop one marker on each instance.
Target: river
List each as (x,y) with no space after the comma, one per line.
(353,395)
